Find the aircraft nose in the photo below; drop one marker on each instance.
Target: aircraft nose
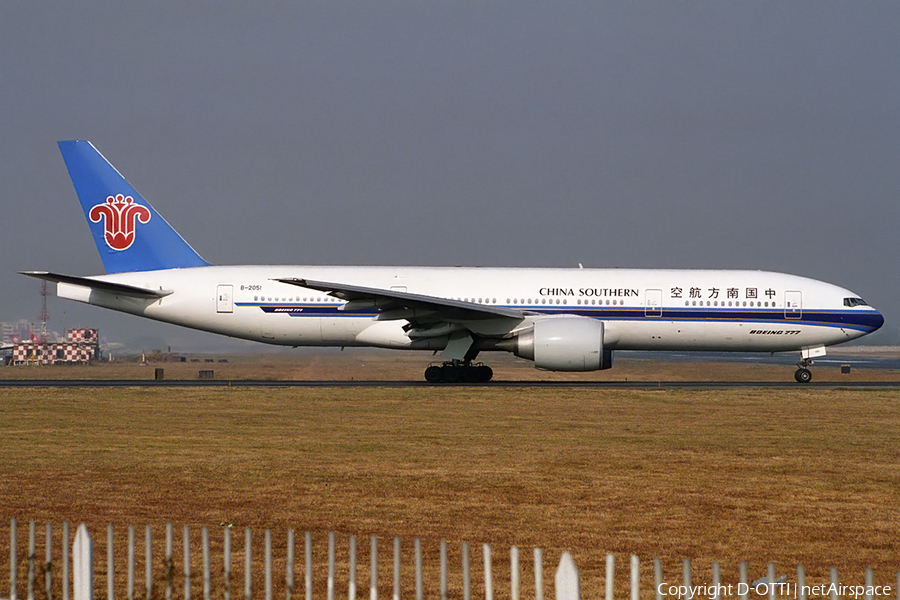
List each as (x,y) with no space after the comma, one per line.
(877,321)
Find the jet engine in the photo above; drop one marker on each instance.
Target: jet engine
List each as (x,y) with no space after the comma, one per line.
(563,344)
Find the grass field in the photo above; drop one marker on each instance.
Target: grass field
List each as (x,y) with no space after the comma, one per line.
(800,476)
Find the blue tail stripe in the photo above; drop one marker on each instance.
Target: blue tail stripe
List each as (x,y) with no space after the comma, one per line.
(129,238)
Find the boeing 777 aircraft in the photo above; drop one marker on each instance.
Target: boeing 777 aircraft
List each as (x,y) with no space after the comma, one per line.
(562,319)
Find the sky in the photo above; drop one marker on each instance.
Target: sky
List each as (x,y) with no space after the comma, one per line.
(702,134)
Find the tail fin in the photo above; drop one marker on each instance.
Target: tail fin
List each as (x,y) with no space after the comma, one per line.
(130,235)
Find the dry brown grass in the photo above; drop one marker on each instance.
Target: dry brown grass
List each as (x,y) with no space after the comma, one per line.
(795,476)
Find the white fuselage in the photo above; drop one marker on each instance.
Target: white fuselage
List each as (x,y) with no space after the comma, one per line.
(642,309)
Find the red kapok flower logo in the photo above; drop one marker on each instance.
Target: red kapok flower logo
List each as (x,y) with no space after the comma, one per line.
(121,216)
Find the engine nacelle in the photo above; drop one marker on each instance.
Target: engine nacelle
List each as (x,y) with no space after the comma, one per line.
(564,344)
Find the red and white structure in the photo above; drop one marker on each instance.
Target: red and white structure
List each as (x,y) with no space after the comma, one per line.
(82,346)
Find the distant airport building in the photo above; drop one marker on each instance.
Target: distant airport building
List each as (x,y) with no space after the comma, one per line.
(14,331)
(82,346)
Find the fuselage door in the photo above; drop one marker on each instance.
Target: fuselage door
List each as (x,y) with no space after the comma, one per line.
(793,306)
(225,298)
(653,303)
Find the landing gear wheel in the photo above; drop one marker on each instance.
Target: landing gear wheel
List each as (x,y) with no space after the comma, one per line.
(470,374)
(433,374)
(450,374)
(803,375)
(456,372)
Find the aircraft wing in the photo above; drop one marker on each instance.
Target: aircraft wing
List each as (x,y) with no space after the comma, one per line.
(98,284)
(394,305)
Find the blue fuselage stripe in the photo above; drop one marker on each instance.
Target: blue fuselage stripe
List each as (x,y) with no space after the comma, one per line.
(851,319)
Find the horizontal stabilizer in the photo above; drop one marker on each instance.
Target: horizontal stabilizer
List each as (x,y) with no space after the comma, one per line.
(97,284)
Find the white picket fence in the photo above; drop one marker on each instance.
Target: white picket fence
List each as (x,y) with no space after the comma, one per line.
(82,567)
(567,582)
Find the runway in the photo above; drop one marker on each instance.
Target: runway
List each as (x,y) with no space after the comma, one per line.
(634,385)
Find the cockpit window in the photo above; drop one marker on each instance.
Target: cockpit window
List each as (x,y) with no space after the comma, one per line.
(851,302)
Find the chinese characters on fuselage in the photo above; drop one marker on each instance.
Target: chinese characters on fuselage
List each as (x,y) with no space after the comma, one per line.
(750,293)
(713,293)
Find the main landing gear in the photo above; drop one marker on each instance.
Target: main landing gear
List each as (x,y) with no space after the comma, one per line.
(803,375)
(457,371)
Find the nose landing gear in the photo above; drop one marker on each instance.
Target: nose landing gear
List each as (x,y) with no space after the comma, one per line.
(802,374)
(457,371)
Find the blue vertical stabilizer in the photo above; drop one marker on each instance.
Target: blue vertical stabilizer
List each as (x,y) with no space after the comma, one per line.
(130,235)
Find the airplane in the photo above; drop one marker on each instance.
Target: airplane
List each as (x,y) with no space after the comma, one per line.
(562,319)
